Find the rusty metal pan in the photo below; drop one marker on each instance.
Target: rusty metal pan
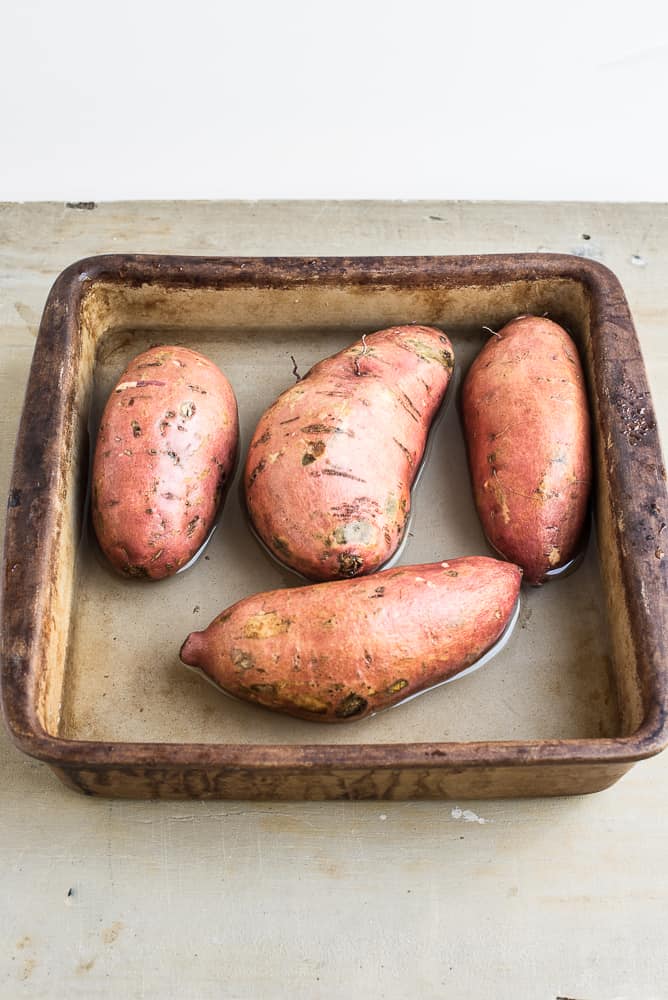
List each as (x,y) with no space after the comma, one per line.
(91,681)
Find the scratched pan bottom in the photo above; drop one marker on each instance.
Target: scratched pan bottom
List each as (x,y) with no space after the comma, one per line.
(123,678)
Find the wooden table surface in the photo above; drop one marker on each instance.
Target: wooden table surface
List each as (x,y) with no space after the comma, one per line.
(512,899)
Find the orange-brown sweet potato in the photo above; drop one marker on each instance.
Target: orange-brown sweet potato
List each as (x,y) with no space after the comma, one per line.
(526,419)
(330,467)
(165,452)
(346,649)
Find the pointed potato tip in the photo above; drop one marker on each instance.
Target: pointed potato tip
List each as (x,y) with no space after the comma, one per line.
(189,652)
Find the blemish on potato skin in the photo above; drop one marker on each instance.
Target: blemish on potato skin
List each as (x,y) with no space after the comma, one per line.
(353,704)
(260,467)
(268,690)
(391,505)
(241,659)
(281,545)
(543,492)
(131,569)
(396,686)
(342,473)
(495,435)
(494,486)
(406,451)
(314,450)
(265,625)
(354,532)
(411,409)
(426,352)
(324,429)
(349,564)
(354,509)
(306,703)
(264,438)
(137,385)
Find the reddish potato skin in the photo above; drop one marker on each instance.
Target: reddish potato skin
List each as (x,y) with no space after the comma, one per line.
(330,467)
(329,652)
(526,420)
(164,456)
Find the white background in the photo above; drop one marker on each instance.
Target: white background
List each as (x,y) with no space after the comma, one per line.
(285,99)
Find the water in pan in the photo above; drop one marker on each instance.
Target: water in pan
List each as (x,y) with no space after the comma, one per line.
(125,682)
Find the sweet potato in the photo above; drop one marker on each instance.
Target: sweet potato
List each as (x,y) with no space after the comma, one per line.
(346,649)
(165,452)
(526,420)
(330,467)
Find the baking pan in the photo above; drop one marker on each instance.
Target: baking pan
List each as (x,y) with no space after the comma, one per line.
(91,681)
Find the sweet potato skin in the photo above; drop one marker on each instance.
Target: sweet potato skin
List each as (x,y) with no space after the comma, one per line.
(343,650)
(527,426)
(165,453)
(330,467)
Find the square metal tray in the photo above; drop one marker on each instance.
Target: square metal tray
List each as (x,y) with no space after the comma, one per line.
(91,681)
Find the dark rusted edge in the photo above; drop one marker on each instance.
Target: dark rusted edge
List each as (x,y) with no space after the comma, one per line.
(135,270)
(278,758)
(33,514)
(635,469)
